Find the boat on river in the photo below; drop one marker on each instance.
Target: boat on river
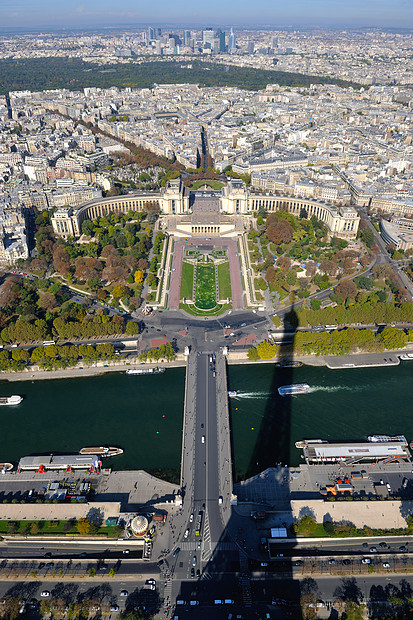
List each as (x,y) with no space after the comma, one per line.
(11,400)
(102,451)
(295,388)
(5,467)
(145,371)
(232,393)
(387,438)
(288,364)
(405,357)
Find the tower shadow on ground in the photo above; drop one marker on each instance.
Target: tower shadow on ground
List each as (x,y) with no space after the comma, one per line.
(239,568)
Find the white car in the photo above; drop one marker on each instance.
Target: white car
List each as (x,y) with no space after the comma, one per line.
(191,518)
(124,593)
(125,552)
(45,593)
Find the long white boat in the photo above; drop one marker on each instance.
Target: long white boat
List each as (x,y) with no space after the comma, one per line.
(295,388)
(11,400)
(405,357)
(145,371)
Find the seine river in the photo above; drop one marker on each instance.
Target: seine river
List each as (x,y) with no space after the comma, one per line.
(143,414)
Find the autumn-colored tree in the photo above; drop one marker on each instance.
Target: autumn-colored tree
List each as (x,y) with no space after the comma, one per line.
(270,275)
(138,276)
(266,350)
(282,232)
(346,289)
(327,266)
(47,301)
(284,263)
(83,526)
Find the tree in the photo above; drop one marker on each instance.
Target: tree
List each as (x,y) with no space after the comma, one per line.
(291,277)
(47,301)
(253,354)
(281,232)
(266,350)
(270,274)
(139,276)
(83,526)
(346,289)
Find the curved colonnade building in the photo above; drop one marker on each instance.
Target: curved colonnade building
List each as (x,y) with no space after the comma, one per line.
(207,213)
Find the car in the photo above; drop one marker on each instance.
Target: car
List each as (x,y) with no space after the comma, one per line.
(151,582)
(48,555)
(366,561)
(332,561)
(198,572)
(191,517)
(175,553)
(124,593)
(386,565)
(382,544)
(403,549)
(298,563)
(364,545)
(388,487)
(346,562)
(45,593)
(405,483)
(220,500)
(186,533)
(199,544)
(203,439)
(50,565)
(373,550)
(125,552)
(114,608)
(82,555)
(192,572)
(194,561)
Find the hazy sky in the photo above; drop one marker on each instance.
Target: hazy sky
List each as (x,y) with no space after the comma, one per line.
(87,13)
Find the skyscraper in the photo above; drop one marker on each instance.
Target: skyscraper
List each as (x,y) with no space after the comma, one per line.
(151,34)
(221,37)
(187,37)
(232,44)
(250,47)
(208,37)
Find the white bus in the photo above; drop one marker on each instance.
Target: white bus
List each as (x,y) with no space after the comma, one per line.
(46,343)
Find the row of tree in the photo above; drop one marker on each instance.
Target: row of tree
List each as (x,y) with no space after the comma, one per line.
(54,356)
(340,342)
(163,353)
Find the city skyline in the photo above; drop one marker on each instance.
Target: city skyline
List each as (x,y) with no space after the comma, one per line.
(329,13)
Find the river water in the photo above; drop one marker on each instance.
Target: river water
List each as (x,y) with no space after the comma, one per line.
(143,414)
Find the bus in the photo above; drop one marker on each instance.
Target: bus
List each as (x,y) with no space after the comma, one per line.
(46,343)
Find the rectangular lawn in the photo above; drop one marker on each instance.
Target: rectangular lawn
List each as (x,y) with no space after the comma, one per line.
(224,281)
(187,280)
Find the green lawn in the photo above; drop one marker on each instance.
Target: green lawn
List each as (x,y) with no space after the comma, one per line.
(224,281)
(187,280)
(214,312)
(214,184)
(205,292)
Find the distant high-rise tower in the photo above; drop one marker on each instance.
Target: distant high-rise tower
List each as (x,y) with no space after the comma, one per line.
(187,37)
(221,37)
(232,43)
(275,42)
(151,34)
(250,47)
(208,37)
